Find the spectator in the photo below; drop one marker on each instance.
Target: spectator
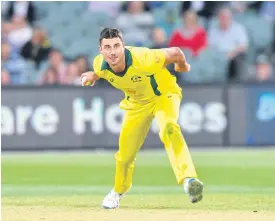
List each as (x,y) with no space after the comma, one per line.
(50,77)
(5,77)
(14,65)
(146,6)
(38,48)
(19,32)
(57,63)
(6,28)
(159,39)
(23,9)
(82,63)
(192,36)
(204,9)
(73,74)
(231,38)
(263,71)
(136,24)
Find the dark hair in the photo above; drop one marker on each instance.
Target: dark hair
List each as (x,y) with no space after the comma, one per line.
(82,56)
(109,33)
(147,6)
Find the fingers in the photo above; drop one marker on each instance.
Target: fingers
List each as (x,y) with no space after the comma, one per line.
(88,78)
(84,80)
(82,75)
(186,68)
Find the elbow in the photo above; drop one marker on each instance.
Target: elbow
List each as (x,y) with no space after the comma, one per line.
(176,51)
(174,55)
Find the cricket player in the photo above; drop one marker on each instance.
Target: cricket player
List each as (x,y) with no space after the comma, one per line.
(150,92)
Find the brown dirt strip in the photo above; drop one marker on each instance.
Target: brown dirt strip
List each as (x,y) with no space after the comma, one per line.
(49,213)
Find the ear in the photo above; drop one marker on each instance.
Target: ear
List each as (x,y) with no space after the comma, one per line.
(100,49)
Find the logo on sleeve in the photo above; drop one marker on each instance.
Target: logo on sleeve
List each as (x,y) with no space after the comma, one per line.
(157,58)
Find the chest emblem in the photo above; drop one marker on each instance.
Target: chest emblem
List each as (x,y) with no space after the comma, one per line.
(136,78)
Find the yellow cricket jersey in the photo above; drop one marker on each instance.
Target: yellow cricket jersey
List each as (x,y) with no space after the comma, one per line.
(144,77)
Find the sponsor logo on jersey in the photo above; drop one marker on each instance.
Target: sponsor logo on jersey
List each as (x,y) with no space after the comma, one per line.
(131,91)
(112,80)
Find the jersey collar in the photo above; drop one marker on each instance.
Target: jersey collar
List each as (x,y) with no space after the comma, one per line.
(128,62)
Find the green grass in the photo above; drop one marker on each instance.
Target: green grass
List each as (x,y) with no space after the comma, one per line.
(222,169)
(234,181)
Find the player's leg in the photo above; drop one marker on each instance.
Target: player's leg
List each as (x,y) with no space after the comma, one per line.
(136,124)
(135,128)
(167,113)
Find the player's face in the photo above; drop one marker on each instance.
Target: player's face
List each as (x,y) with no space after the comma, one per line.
(112,50)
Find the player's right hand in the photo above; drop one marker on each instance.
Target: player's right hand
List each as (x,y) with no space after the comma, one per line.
(185,68)
(85,81)
(88,78)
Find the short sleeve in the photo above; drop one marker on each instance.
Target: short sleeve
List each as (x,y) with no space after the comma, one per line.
(152,59)
(97,66)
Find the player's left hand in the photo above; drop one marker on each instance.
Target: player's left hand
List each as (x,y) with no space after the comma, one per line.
(185,68)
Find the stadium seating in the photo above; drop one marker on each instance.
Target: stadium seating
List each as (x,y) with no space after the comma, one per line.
(259,32)
(74,30)
(209,66)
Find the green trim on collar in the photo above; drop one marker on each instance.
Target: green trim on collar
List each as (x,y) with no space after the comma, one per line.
(128,61)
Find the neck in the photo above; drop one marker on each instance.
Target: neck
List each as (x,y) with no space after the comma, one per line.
(120,66)
(225,26)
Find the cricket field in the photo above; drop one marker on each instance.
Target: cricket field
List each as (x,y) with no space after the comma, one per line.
(62,186)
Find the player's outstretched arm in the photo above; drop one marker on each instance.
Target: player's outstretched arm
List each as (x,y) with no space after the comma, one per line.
(89,78)
(174,55)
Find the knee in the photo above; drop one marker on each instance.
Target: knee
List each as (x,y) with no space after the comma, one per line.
(171,127)
(168,130)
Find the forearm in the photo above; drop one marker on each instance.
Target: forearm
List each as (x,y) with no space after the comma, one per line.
(174,56)
(240,49)
(236,51)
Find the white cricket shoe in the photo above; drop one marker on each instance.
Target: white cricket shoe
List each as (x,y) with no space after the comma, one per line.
(111,201)
(194,188)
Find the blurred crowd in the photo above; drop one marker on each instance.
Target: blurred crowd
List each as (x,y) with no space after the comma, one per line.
(198,26)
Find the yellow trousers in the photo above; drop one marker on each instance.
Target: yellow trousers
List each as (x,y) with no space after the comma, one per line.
(136,124)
